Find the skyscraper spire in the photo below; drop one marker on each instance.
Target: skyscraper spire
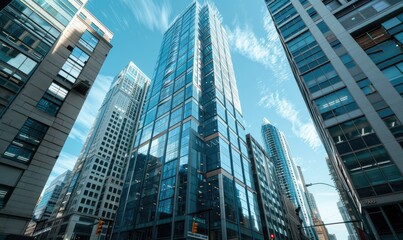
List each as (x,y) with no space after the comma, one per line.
(265,121)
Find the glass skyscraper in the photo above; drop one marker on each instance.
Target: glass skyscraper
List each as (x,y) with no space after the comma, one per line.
(273,209)
(290,180)
(189,173)
(48,200)
(347,59)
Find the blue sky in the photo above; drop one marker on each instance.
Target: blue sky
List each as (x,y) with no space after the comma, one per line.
(265,82)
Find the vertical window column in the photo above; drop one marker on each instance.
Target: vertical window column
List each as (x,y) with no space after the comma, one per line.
(25,144)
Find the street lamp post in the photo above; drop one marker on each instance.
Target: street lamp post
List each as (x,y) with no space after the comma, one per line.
(320,183)
(359,220)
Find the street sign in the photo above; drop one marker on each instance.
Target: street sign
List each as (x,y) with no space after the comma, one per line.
(197,236)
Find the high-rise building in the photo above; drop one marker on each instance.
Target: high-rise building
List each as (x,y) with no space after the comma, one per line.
(289,177)
(50,54)
(189,174)
(273,209)
(94,190)
(352,235)
(45,206)
(347,59)
(320,228)
(47,202)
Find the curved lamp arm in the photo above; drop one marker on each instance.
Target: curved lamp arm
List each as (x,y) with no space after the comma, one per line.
(320,183)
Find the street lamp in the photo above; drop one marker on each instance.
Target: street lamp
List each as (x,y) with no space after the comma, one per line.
(362,236)
(320,183)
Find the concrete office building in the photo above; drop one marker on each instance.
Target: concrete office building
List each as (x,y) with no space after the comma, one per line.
(50,55)
(93,191)
(189,175)
(274,217)
(291,181)
(347,59)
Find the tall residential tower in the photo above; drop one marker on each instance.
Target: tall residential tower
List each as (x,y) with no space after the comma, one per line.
(290,179)
(274,217)
(94,189)
(189,175)
(347,59)
(50,54)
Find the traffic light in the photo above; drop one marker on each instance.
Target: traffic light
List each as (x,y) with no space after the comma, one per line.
(100,226)
(194,227)
(271,236)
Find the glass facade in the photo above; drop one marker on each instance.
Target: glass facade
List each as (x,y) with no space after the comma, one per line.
(25,144)
(27,38)
(347,62)
(48,200)
(37,107)
(189,173)
(287,173)
(270,196)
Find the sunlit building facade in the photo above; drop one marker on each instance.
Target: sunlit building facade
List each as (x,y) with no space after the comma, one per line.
(289,177)
(50,54)
(347,59)
(274,217)
(93,192)
(189,174)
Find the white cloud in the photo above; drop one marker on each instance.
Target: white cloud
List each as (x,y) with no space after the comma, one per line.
(89,111)
(303,129)
(153,14)
(267,50)
(78,135)
(64,162)
(246,43)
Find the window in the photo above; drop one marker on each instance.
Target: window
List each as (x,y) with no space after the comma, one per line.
(321,78)
(301,43)
(24,145)
(332,4)
(60,16)
(310,59)
(276,5)
(53,99)
(88,41)
(353,135)
(16,59)
(74,65)
(335,104)
(292,27)
(4,195)
(285,14)
(394,74)
(323,27)
(97,29)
